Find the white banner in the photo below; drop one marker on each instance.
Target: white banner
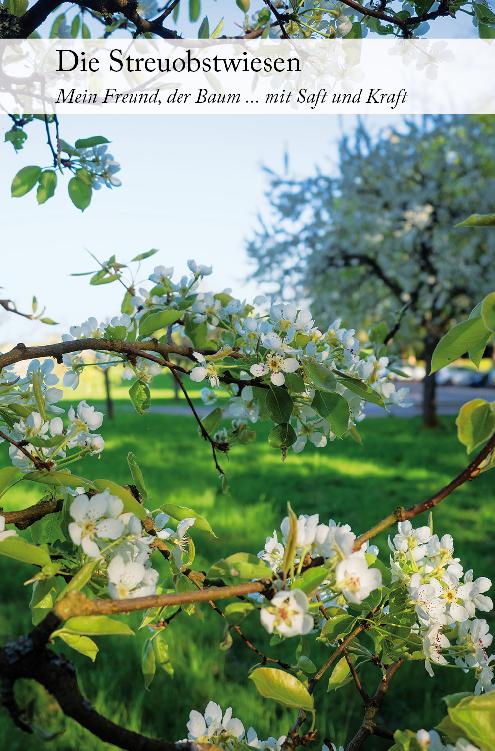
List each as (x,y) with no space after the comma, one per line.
(372,76)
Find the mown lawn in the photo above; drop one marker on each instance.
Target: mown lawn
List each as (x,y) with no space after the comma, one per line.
(398,463)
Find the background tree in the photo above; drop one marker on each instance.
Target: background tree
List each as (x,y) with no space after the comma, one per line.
(378,238)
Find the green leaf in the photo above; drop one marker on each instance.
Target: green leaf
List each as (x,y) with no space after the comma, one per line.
(87,143)
(360,388)
(484,14)
(236,612)
(46,186)
(322,377)
(17,7)
(8,477)
(295,383)
(79,193)
(183,512)
(24,181)
(488,311)
(240,566)
(148,663)
(279,404)
(146,254)
(340,675)
(80,579)
(194,10)
(478,220)
(60,478)
(212,420)
(82,644)
(282,436)
(462,338)
(140,396)
(475,716)
(161,650)
(217,30)
(21,550)
(125,495)
(475,423)
(337,627)
(204,29)
(137,475)
(335,408)
(97,625)
(283,688)
(152,322)
(311,579)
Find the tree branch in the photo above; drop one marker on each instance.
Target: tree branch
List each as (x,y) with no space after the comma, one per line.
(76,603)
(371,709)
(401,514)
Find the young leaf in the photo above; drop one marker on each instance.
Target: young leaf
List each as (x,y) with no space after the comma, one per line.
(478,220)
(146,254)
(204,29)
(79,193)
(152,322)
(335,408)
(148,663)
(460,339)
(125,495)
(282,436)
(82,644)
(475,423)
(97,625)
(240,566)
(183,512)
(488,311)
(140,396)
(340,675)
(322,377)
(8,477)
(279,404)
(46,186)
(137,475)
(283,688)
(25,180)
(21,550)
(87,143)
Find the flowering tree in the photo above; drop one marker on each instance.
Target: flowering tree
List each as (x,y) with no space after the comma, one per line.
(407,268)
(104,553)
(295,19)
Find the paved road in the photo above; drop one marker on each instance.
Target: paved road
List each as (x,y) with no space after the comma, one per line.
(450,398)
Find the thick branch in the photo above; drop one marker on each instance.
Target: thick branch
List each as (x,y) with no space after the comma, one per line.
(28,658)
(372,707)
(24,518)
(20,352)
(77,604)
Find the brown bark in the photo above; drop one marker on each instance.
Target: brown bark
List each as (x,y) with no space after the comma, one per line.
(430,417)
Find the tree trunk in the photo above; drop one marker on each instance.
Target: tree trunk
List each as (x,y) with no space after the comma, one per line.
(108,395)
(430,418)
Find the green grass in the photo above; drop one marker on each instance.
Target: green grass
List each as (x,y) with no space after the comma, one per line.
(397,464)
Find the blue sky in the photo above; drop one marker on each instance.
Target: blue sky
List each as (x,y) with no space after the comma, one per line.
(192,187)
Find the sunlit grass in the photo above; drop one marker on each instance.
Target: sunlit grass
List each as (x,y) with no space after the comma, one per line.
(398,464)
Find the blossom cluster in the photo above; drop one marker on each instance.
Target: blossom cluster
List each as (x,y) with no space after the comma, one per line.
(446,601)
(220,728)
(103,530)
(33,420)
(349,577)
(275,345)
